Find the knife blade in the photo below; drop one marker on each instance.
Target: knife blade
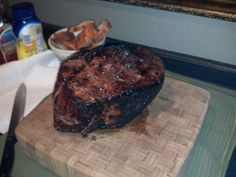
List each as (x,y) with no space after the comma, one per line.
(17,114)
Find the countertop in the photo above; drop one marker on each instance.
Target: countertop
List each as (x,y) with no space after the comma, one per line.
(220,98)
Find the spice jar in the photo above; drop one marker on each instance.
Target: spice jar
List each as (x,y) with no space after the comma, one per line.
(7,37)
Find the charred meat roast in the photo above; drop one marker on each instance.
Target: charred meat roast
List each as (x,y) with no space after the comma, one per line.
(105,87)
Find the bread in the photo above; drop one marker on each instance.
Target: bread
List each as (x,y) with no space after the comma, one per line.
(83,35)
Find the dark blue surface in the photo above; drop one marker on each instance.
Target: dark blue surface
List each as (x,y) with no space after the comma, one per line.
(231,171)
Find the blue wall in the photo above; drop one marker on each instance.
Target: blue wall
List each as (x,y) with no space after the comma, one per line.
(194,35)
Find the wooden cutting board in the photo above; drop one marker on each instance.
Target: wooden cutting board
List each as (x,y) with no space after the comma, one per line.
(155,144)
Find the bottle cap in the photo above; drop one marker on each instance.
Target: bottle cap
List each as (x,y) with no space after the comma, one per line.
(23,10)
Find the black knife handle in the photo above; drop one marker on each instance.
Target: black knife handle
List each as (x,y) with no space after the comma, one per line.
(8,157)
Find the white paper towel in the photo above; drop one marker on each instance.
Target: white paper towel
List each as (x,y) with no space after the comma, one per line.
(37,72)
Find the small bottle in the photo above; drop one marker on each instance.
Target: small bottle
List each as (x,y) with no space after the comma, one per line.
(28,30)
(7,37)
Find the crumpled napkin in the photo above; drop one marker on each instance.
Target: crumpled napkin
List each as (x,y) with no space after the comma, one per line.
(37,72)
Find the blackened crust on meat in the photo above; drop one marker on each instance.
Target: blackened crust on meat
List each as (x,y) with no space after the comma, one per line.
(105,87)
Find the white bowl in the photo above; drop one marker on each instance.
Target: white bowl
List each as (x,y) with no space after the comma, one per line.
(63,54)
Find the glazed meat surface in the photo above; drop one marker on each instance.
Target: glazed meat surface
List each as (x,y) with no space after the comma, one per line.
(105,87)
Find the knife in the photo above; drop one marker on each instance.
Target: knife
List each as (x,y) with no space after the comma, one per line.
(17,114)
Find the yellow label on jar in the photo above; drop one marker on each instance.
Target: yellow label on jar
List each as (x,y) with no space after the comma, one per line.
(30,41)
